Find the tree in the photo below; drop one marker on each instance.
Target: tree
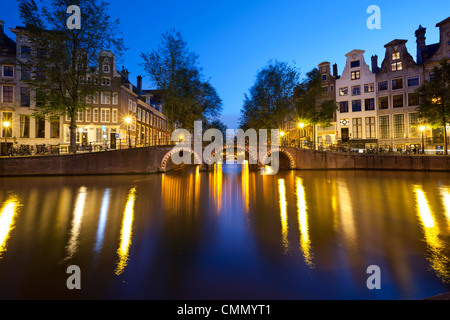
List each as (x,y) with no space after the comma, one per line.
(311,107)
(219,125)
(61,59)
(434,99)
(270,98)
(186,96)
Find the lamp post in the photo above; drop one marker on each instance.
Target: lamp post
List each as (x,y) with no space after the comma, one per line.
(128,121)
(301,125)
(282,133)
(422,129)
(6,125)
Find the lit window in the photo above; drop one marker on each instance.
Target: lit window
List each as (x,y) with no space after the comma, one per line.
(355,75)
(396,56)
(397,66)
(368,87)
(343,91)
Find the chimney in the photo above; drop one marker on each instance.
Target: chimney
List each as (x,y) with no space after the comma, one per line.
(335,70)
(2,23)
(139,83)
(375,64)
(124,73)
(420,40)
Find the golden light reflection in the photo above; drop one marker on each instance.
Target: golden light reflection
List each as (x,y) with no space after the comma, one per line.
(302,209)
(283,213)
(445,195)
(8,215)
(72,246)
(126,232)
(245,185)
(437,257)
(197,189)
(217,186)
(346,212)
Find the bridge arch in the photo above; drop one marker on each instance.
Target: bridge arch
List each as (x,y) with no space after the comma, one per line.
(238,148)
(282,151)
(165,160)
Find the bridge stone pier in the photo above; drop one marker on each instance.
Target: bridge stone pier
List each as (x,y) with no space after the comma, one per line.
(158,159)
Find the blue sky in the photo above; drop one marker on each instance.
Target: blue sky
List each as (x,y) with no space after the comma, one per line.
(236,38)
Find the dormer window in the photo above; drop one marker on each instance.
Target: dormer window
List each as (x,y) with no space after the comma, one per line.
(354,64)
(396,56)
(106,68)
(355,75)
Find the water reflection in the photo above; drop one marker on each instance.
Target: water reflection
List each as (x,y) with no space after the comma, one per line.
(305,242)
(126,232)
(283,214)
(7,217)
(72,246)
(102,220)
(439,261)
(295,235)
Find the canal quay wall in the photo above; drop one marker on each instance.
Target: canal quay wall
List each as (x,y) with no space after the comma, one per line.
(307,159)
(149,160)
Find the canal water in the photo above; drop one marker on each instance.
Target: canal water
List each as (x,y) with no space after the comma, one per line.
(229,233)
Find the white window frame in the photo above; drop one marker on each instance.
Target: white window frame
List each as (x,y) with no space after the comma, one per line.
(105,98)
(95,115)
(105,115)
(114,114)
(115,98)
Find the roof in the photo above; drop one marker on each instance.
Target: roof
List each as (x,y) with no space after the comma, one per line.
(443,22)
(395,42)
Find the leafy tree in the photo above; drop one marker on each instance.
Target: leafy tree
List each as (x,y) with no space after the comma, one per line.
(61,59)
(434,99)
(270,98)
(310,104)
(174,70)
(219,125)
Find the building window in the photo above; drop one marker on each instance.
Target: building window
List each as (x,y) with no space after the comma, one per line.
(324,77)
(331,88)
(106,68)
(95,98)
(413,125)
(396,66)
(95,115)
(88,115)
(383,103)
(397,101)
(7,93)
(356,105)
(39,100)
(25,74)
(54,127)
(325,89)
(357,128)
(356,90)
(413,81)
(355,75)
(8,71)
(396,56)
(354,64)
(25,51)
(368,88)
(24,126)
(399,125)
(105,98)
(106,81)
(370,128)
(384,127)
(114,115)
(24,97)
(139,114)
(343,91)
(413,99)
(382,85)
(40,127)
(115,98)
(369,104)
(397,83)
(104,116)
(98,135)
(343,106)
(79,116)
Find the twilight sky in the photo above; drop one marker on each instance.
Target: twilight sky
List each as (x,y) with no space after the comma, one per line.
(236,38)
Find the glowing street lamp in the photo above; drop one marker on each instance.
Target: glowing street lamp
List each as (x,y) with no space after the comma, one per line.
(128,122)
(6,125)
(422,129)
(301,125)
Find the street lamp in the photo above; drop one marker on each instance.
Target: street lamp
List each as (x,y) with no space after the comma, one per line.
(6,125)
(422,129)
(128,121)
(301,125)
